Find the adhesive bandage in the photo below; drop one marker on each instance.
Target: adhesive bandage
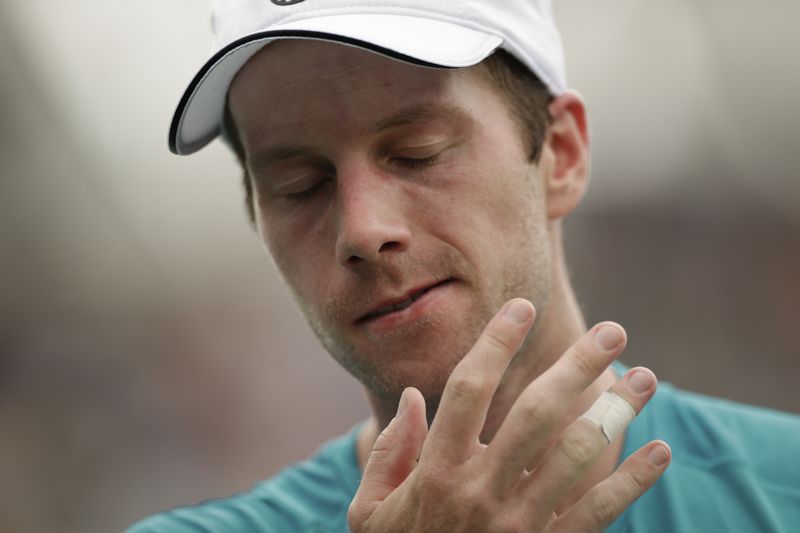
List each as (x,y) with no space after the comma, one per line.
(611,413)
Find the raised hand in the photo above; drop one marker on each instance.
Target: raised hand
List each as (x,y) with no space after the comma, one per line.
(445,480)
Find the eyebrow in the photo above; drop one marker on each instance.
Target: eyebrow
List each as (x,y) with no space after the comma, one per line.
(419,113)
(276,154)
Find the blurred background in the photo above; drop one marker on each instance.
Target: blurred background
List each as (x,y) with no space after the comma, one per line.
(150,357)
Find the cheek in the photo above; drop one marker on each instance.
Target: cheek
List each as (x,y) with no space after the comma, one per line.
(300,259)
(491,209)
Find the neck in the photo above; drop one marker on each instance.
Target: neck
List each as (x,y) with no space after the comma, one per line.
(557,327)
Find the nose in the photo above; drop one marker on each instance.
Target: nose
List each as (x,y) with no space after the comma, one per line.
(371,220)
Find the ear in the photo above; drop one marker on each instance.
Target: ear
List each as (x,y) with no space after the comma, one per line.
(564,161)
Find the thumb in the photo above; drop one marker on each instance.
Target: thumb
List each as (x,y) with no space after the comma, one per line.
(395,453)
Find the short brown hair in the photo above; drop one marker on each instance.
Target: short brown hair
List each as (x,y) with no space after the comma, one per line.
(525,93)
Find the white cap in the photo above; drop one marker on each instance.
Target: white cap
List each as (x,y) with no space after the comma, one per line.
(432,33)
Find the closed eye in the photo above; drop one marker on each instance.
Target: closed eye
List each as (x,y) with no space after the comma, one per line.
(309,192)
(413,162)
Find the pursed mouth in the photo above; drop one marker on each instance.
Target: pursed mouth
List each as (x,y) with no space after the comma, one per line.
(399,306)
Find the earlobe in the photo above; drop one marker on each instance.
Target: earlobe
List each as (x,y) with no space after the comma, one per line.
(565,154)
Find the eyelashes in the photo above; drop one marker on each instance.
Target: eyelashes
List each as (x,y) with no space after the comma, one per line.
(309,192)
(414,163)
(316,187)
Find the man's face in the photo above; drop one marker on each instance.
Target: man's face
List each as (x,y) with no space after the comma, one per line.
(398,202)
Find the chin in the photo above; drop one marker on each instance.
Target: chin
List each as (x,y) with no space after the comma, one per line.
(386,369)
(421,353)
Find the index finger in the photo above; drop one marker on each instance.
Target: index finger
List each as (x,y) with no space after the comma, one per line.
(472,384)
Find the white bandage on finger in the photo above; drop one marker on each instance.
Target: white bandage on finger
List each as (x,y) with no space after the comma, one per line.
(611,413)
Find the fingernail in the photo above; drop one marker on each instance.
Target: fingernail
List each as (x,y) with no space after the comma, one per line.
(401,406)
(518,312)
(657,455)
(608,337)
(638,381)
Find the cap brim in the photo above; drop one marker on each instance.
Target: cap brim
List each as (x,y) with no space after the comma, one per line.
(421,41)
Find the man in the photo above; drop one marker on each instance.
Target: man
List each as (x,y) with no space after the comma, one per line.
(407,166)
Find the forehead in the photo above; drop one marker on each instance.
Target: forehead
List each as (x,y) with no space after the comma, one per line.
(303,85)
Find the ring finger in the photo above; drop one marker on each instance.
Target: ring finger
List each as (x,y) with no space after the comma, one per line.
(586,438)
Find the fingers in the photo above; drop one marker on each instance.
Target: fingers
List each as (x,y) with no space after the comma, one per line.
(469,390)
(394,455)
(543,403)
(604,502)
(584,440)
(637,386)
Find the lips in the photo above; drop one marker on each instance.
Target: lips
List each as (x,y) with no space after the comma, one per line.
(400,304)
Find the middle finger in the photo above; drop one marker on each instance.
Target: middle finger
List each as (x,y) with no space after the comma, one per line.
(543,403)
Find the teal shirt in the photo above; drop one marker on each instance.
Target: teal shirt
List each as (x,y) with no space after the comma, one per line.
(312,496)
(735,468)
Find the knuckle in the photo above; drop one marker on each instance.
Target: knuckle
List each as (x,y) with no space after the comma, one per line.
(383,444)
(604,508)
(510,522)
(536,412)
(511,526)
(578,448)
(433,485)
(480,506)
(466,386)
(583,361)
(498,340)
(465,496)
(636,481)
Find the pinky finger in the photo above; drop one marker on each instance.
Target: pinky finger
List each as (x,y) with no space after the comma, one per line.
(608,499)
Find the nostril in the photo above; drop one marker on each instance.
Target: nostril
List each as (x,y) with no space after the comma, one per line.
(389,246)
(357,258)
